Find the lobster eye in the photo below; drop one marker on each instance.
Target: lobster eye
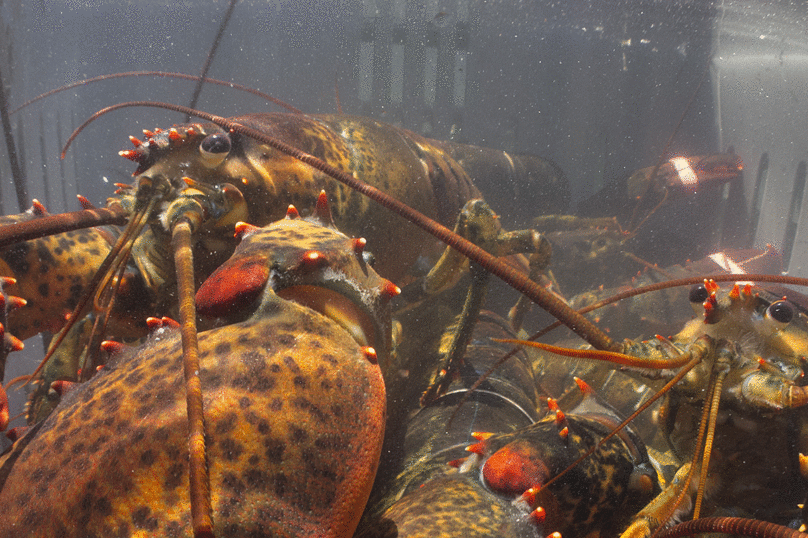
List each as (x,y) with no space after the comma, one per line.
(698,294)
(781,312)
(214,148)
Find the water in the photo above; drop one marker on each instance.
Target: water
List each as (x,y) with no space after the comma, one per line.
(599,88)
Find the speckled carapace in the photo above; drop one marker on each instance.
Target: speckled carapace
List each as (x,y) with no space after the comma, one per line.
(294,408)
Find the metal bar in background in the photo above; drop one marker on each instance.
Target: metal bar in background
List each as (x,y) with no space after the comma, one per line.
(431,42)
(461,46)
(757,197)
(366,53)
(46,187)
(63,182)
(397,47)
(795,208)
(17,171)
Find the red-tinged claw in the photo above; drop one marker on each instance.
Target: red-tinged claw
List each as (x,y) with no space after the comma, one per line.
(390,290)
(149,134)
(322,210)
(232,286)
(84,202)
(457,463)
(62,386)
(560,417)
(37,208)
(482,436)
(174,136)
(554,535)
(14,343)
(359,245)
(7,280)
(370,354)
(135,142)
(243,229)
(552,405)
(477,448)
(111,346)
(291,212)
(130,154)
(13,302)
(564,432)
(584,386)
(538,515)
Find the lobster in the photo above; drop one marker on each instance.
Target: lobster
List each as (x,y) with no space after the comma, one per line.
(433,489)
(267,181)
(747,354)
(293,392)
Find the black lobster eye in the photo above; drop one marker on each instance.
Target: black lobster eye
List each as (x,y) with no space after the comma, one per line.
(214,148)
(781,311)
(698,294)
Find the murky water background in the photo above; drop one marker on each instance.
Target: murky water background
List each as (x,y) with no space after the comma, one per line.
(598,87)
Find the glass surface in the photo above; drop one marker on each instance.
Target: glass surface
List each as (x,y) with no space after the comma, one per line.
(601,89)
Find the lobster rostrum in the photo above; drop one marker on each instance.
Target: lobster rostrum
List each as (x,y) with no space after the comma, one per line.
(294,405)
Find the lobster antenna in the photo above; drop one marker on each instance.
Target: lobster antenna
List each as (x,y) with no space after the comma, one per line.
(731,525)
(545,299)
(159,74)
(209,59)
